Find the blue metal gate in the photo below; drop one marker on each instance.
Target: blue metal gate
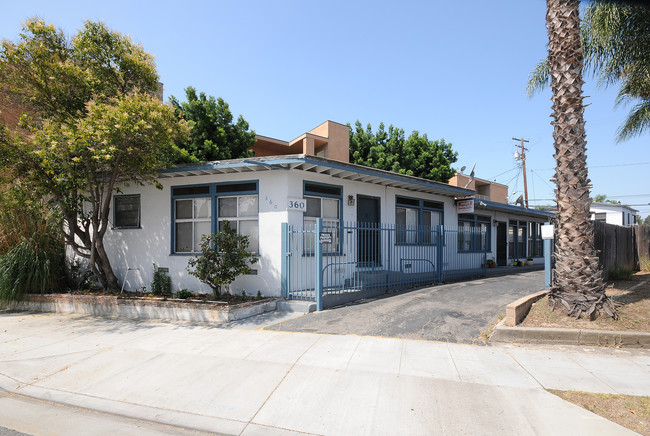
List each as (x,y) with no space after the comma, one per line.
(332,263)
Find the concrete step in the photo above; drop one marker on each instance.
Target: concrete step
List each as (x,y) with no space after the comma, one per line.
(296,306)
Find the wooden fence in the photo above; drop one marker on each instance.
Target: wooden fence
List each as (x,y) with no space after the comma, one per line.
(642,239)
(622,246)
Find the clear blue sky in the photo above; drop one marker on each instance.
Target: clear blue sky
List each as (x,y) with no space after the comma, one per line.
(452,70)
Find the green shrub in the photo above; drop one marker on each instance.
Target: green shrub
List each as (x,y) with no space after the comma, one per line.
(29,268)
(32,253)
(619,273)
(644,264)
(161,284)
(224,258)
(184,294)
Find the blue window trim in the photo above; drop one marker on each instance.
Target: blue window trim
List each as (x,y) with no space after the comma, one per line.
(305,191)
(420,207)
(326,195)
(213,195)
(239,182)
(139,226)
(518,224)
(475,220)
(535,236)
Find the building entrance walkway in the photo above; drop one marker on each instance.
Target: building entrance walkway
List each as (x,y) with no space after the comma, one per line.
(454,312)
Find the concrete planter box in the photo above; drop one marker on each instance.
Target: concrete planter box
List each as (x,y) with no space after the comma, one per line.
(517,310)
(144,308)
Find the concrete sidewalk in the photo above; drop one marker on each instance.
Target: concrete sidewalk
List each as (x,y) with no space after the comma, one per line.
(155,378)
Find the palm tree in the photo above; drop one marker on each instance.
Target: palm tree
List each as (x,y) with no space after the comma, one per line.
(577,284)
(617,37)
(616,41)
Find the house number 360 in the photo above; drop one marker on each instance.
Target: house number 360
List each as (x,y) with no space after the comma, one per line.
(297,204)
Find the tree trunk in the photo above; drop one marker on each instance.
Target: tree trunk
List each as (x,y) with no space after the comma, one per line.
(103,264)
(577,284)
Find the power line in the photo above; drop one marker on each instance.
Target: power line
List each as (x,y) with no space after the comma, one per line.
(613,204)
(602,166)
(629,195)
(516,176)
(505,172)
(540,177)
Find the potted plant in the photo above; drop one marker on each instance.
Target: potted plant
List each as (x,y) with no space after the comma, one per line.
(490,263)
(529,261)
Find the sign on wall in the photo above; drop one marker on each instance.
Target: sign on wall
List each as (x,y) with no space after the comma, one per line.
(297,204)
(465,206)
(325,237)
(547,231)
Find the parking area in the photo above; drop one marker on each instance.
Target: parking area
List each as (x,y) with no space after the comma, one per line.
(455,312)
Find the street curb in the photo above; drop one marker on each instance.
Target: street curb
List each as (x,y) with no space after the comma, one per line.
(122,409)
(560,336)
(507,331)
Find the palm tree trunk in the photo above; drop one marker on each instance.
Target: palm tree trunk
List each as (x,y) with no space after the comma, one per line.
(577,280)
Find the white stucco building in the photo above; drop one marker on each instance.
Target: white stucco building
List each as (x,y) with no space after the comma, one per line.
(617,214)
(259,194)
(164,226)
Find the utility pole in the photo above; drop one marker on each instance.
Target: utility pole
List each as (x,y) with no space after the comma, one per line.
(523,162)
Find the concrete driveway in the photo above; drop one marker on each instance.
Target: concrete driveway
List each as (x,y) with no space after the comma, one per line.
(456,312)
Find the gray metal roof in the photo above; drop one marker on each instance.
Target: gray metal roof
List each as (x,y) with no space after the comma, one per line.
(511,209)
(318,165)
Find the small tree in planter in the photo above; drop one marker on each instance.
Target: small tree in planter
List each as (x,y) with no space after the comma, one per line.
(224,258)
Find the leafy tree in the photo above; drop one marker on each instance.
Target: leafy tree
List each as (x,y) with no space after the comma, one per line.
(214,135)
(577,284)
(602,198)
(88,123)
(392,151)
(616,40)
(224,257)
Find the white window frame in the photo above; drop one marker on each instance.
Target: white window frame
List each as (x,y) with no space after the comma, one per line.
(235,221)
(194,220)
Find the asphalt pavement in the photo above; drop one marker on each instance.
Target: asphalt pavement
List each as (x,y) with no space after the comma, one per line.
(63,374)
(455,312)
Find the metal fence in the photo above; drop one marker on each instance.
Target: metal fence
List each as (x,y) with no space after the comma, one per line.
(333,263)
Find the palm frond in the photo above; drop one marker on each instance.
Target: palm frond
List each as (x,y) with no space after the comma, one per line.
(538,79)
(636,123)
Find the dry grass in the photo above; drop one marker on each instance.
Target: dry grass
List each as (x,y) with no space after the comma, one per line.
(626,410)
(633,300)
